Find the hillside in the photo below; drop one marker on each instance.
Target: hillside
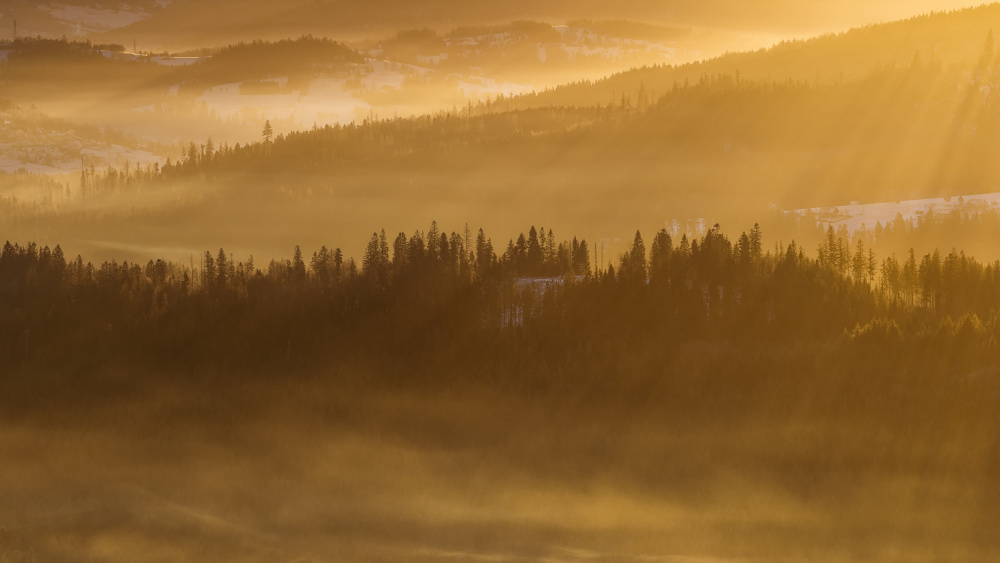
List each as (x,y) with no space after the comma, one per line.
(724,150)
(232,21)
(945,38)
(718,148)
(164,97)
(305,81)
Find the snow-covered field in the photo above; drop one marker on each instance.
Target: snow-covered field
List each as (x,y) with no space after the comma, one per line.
(46,160)
(160,60)
(175,61)
(858,215)
(29,145)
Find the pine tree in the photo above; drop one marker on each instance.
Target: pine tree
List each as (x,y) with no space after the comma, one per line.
(581,259)
(535,258)
(859,264)
(371,262)
(484,255)
(637,259)
(459,256)
(659,257)
(433,242)
(222,266)
(298,267)
(756,244)
(209,273)
(872,266)
(520,250)
(383,251)
(551,258)
(338,264)
(399,247)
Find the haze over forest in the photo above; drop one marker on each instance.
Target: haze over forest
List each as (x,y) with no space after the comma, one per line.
(552,280)
(862,115)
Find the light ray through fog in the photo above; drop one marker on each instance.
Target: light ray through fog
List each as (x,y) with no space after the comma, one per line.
(953,163)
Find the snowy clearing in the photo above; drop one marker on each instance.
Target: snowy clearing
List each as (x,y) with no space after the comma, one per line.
(858,215)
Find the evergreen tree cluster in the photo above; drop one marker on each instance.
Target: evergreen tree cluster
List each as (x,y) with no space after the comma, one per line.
(455,286)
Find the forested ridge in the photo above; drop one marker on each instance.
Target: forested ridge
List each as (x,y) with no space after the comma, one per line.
(36,66)
(950,38)
(763,138)
(722,142)
(436,293)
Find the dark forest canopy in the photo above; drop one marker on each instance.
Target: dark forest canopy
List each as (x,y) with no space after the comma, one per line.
(464,286)
(34,66)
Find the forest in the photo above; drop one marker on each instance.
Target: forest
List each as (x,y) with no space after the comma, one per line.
(724,148)
(466,286)
(806,382)
(34,65)
(723,140)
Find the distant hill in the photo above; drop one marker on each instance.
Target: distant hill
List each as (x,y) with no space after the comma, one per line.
(156,95)
(721,150)
(37,68)
(187,23)
(900,128)
(947,39)
(859,116)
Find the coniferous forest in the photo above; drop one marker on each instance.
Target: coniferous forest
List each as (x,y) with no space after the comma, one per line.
(830,375)
(411,293)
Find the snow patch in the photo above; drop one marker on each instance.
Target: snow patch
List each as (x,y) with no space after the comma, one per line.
(857,215)
(159,60)
(176,61)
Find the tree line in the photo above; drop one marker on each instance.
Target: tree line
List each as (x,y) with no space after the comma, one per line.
(433,286)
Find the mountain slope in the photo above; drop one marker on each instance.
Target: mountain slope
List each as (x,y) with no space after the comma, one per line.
(957,37)
(185,23)
(723,147)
